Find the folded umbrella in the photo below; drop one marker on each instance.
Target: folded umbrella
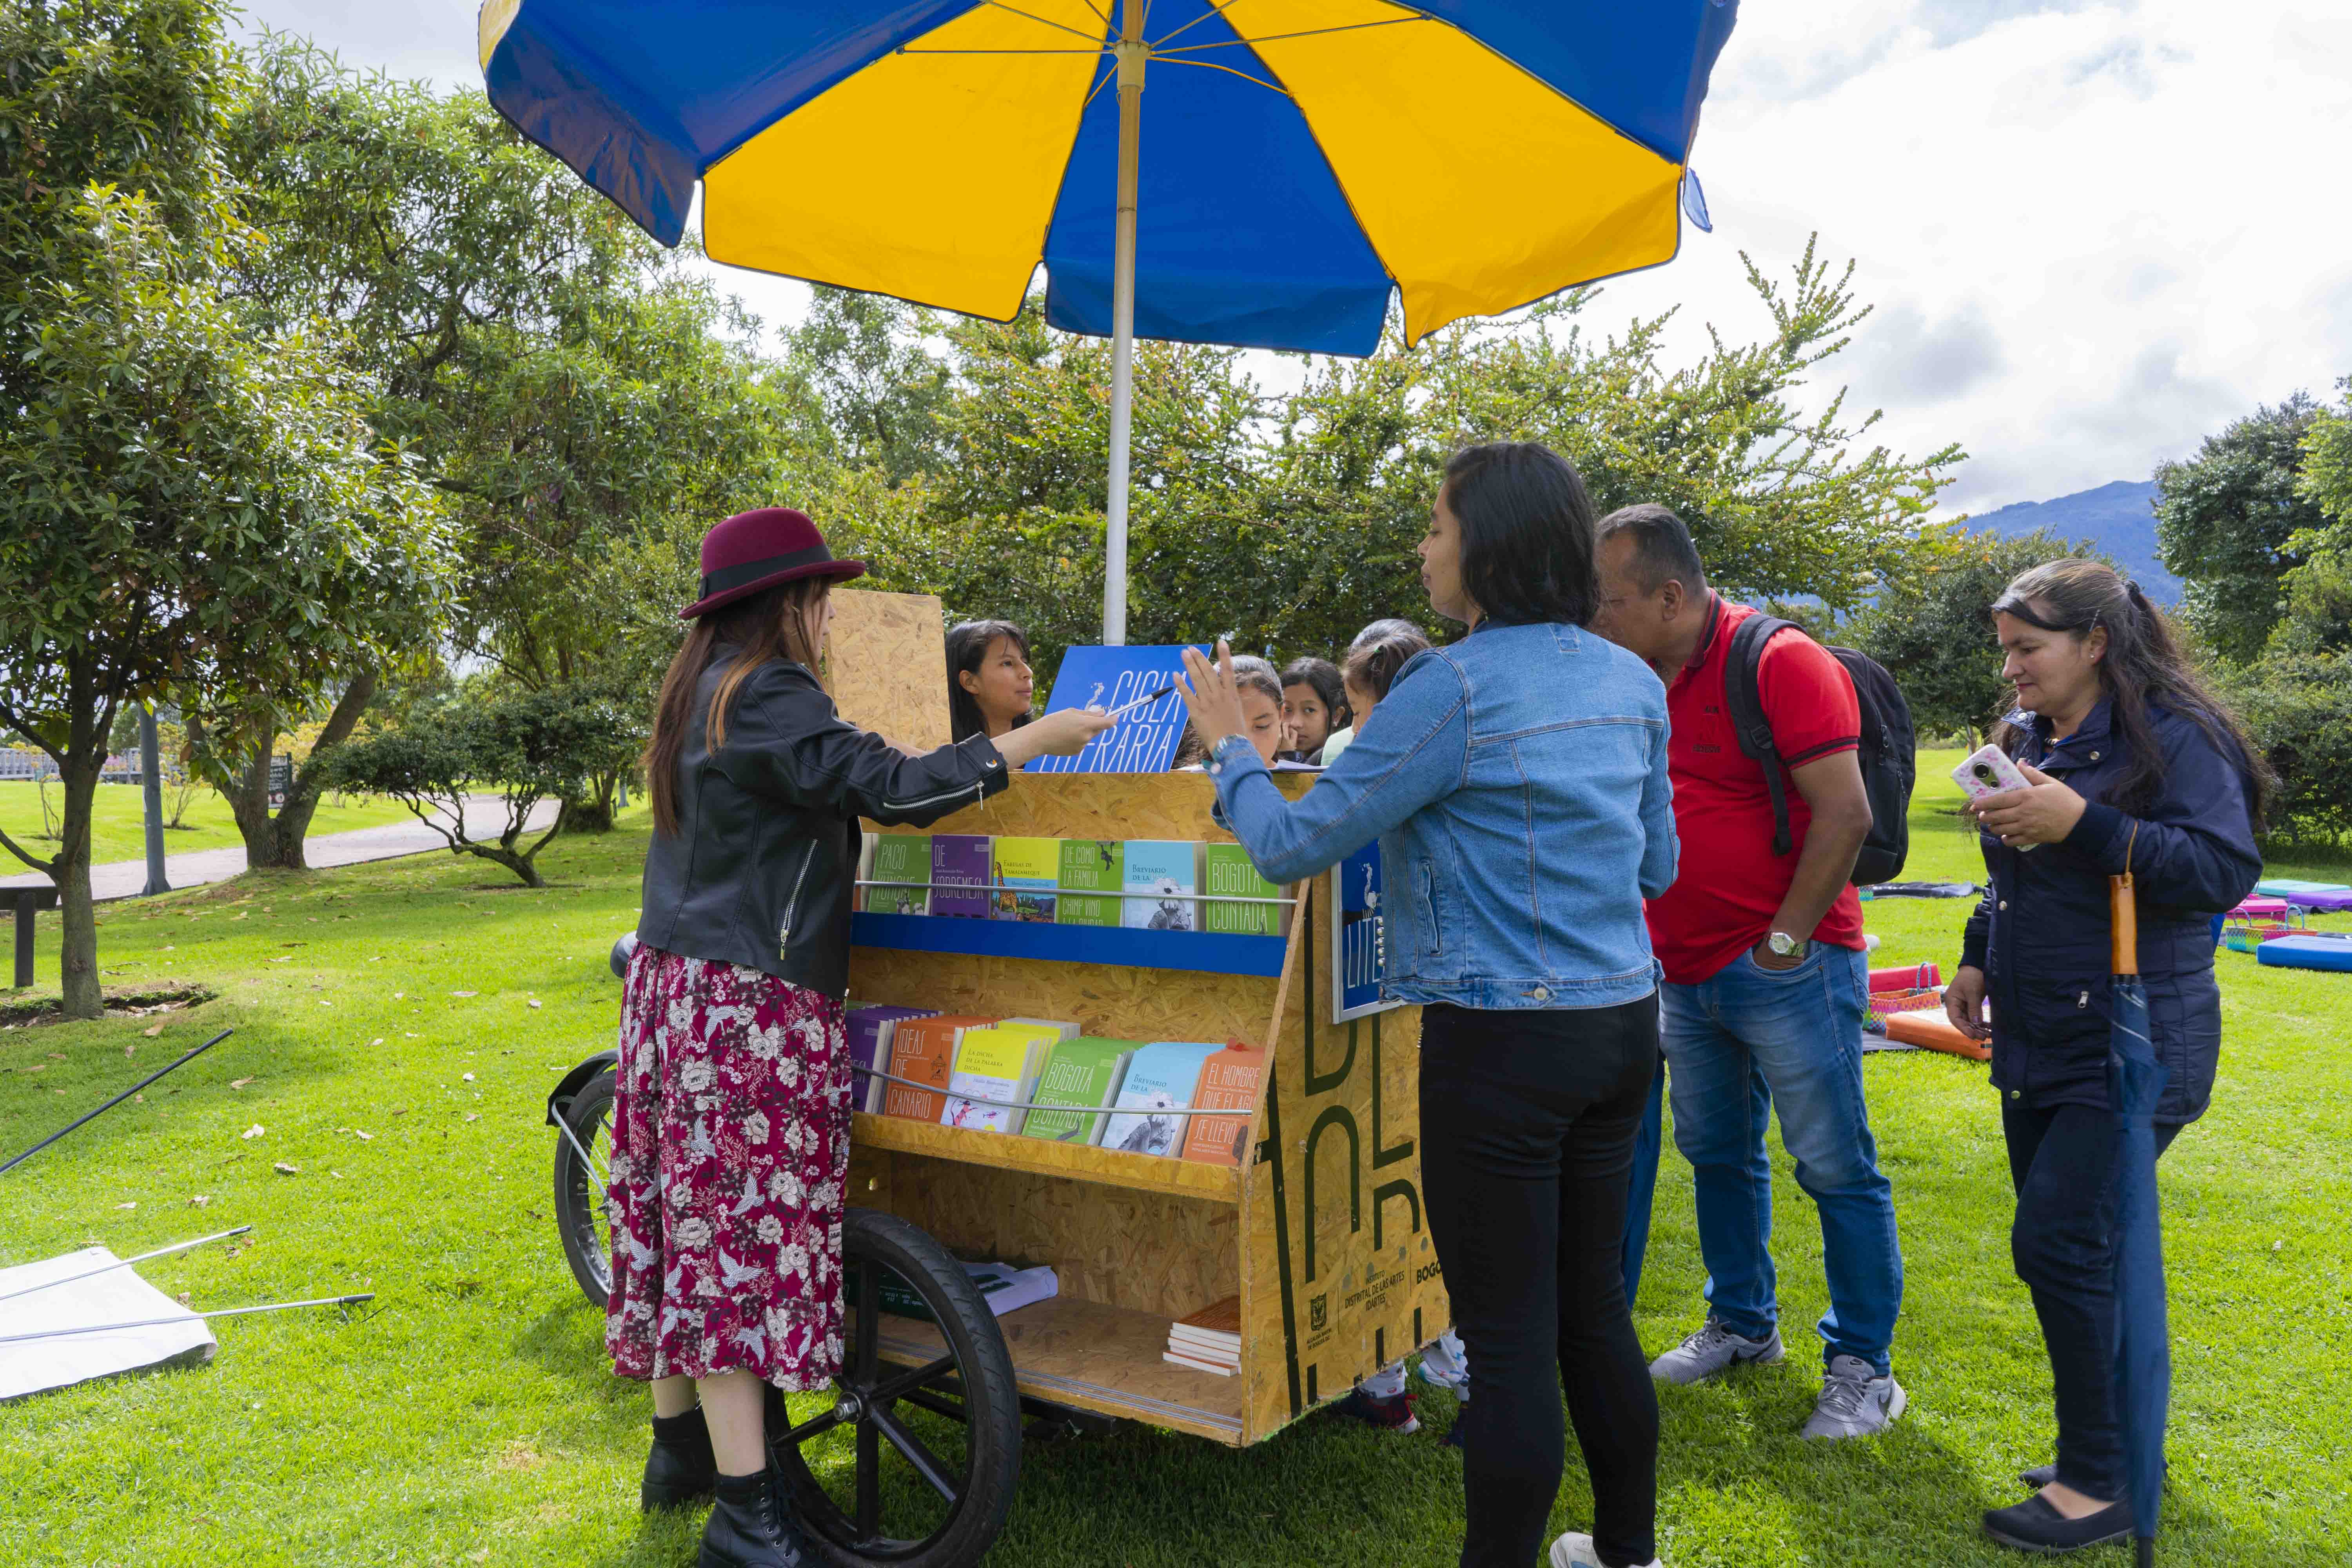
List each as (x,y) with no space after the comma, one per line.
(2143,1367)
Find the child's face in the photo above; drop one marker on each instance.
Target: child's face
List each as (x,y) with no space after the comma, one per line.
(1262,722)
(1359,702)
(1309,719)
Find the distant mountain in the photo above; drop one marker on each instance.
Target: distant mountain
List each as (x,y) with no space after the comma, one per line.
(2118,519)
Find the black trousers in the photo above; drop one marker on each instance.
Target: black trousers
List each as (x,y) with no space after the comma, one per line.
(1528,1123)
(2063,1163)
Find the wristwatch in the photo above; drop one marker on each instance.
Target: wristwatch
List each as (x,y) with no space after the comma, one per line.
(1226,750)
(1783,945)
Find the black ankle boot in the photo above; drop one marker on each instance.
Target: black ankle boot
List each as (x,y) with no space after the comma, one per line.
(748,1529)
(679,1469)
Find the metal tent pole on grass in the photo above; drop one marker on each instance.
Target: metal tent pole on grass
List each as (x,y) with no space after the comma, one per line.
(1130,53)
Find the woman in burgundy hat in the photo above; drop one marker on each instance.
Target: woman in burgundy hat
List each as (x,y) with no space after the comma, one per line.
(730,1128)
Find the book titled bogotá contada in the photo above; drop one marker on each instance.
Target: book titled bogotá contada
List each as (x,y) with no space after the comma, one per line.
(1167,871)
(1090,865)
(1083,1073)
(900,857)
(960,875)
(1229,872)
(1022,874)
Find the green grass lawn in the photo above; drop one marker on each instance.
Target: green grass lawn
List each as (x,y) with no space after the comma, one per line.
(119,831)
(468,1416)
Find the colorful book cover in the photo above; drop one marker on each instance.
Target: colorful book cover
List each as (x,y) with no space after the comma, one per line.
(1022,878)
(1226,869)
(1169,869)
(870,1030)
(1229,1081)
(900,857)
(1001,1062)
(1092,866)
(1080,1072)
(959,861)
(923,1049)
(1160,1078)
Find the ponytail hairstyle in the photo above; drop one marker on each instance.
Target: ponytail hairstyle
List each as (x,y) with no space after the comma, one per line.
(778,623)
(1380,650)
(2144,666)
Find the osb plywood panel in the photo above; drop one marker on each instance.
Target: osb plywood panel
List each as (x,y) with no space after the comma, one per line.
(1099,1358)
(1111,1001)
(1149,1252)
(1104,805)
(1340,1275)
(1039,1156)
(887,665)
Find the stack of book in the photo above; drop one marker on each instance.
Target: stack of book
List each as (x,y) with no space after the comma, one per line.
(1208,1340)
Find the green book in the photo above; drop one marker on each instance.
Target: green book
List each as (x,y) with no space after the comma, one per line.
(1091,865)
(900,857)
(1229,872)
(1080,1072)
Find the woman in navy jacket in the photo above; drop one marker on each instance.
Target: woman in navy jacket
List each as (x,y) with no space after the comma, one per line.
(2132,762)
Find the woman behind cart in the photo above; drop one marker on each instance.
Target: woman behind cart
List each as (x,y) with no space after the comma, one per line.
(731,1123)
(1516,782)
(2134,764)
(990,687)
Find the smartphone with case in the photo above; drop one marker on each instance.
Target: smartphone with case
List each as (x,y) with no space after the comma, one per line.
(1988,770)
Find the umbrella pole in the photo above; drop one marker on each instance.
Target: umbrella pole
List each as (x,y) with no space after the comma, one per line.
(1130,51)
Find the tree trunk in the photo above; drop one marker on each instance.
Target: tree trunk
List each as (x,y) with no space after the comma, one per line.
(293,820)
(247,789)
(519,864)
(85,759)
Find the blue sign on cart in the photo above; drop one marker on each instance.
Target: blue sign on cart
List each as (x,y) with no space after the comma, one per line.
(1139,679)
(1358,953)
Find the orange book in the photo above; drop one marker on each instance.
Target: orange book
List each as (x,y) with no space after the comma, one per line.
(1230,1080)
(925,1051)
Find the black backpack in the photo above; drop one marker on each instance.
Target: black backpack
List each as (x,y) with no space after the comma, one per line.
(1889,755)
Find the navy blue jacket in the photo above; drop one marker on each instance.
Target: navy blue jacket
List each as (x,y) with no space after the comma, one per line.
(2041,934)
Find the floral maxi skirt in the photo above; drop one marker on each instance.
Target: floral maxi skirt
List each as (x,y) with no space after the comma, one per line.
(730,1144)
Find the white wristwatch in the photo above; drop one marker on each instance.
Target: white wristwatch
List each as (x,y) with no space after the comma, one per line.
(1783,945)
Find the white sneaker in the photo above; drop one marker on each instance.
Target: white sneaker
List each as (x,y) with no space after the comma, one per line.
(1855,1401)
(1710,1350)
(1576,1551)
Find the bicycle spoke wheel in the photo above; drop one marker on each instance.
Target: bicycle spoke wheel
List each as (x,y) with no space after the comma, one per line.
(911,1456)
(583,1161)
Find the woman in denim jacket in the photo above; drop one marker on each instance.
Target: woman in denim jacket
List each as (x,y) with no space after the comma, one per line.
(1516,782)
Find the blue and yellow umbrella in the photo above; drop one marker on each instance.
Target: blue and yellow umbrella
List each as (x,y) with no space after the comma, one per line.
(1302,160)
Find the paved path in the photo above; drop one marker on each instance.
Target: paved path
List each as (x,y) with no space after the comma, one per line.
(125,879)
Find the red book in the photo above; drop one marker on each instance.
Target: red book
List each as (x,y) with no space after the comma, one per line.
(924,1049)
(1230,1080)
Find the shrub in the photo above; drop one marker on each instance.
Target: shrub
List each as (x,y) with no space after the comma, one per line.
(2299,712)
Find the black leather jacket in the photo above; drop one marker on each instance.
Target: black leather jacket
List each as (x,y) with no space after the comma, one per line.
(761,868)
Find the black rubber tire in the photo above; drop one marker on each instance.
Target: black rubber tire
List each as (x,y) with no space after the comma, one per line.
(980,1379)
(580,1194)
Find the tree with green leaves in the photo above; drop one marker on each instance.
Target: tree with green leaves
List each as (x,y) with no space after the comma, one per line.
(529,746)
(190,503)
(1932,627)
(2227,521)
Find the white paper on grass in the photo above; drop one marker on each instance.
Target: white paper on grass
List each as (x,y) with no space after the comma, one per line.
(119,1296)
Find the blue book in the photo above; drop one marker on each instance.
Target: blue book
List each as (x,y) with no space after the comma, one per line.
(1168,871)
(1160,1078)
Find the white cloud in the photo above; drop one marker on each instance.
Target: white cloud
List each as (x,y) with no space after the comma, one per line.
(2093,231)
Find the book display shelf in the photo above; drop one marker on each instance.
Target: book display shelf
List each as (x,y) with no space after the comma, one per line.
(1321,1232)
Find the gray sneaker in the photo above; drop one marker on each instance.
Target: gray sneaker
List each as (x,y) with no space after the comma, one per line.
(1710,1348)
(1855,1401)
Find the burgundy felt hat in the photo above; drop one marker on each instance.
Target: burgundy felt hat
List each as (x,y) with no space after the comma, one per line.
(755,550)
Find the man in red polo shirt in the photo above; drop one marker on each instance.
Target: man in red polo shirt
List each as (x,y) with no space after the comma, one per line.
(1765,977)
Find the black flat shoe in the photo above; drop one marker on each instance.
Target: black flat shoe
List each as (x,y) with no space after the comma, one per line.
(2040,1476)
(681,1469)
(2034,1526)
(749,1530)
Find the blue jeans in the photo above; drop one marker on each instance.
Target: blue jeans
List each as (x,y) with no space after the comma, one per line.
(1738,1045)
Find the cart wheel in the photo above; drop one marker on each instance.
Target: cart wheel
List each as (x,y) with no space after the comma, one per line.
(580,1201)
(904,1464)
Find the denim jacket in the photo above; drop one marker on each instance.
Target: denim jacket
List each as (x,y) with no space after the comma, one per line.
(1516,782)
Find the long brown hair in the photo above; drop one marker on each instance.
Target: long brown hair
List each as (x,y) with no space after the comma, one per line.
(775,623)
(2145,666)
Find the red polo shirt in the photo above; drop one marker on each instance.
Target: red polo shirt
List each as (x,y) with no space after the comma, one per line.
(1731,884)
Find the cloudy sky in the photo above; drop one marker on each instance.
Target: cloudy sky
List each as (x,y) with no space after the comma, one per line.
(2093,231)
